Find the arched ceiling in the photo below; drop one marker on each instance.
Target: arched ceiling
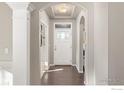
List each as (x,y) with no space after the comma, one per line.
(59,10)
(63,10)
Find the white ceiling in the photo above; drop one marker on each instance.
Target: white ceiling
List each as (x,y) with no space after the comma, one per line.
(63,10)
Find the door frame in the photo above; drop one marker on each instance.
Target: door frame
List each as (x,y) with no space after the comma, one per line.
(86,76)
(41,22)
(54,40)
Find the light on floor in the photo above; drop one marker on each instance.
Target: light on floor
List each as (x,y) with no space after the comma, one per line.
(55,70)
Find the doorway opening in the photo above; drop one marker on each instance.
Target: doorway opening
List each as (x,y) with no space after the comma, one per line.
(62,32)
(63,43)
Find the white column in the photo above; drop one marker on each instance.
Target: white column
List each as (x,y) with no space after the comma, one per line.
(20,44)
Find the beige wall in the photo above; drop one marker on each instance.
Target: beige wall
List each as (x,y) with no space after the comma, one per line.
(5,32)
(34,49)
(116,43)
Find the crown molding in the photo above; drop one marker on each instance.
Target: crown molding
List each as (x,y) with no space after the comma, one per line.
(70,16)
(18,5)
(31,7)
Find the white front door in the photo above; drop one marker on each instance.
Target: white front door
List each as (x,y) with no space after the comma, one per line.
(63,44)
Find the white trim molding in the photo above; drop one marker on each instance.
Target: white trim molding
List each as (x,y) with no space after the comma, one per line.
(21,42)
(78,69)
(18,5)
(31,7)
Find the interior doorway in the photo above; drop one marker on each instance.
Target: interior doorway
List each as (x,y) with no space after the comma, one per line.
(63,44)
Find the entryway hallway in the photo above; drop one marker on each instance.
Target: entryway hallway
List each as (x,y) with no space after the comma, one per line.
(28,46)
(62,75)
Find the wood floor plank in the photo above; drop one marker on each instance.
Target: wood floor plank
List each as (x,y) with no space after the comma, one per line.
(62,75)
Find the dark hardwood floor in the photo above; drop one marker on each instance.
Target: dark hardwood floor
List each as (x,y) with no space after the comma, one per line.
(62,75)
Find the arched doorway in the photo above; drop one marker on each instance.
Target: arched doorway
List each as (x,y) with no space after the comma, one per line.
(83,9)
(82,44)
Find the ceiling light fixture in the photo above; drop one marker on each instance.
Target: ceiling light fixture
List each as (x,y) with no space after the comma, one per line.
(62,8)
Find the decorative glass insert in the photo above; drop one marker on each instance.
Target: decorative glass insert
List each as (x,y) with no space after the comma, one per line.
(62,25)
(62,35)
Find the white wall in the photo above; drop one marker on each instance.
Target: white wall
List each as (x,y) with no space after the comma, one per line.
(44,52)
(116,44)
(77,43)
(101,43)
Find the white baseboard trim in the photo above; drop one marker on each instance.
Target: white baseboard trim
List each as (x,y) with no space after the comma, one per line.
(63,64)
(42,74)
(60,64)
(74,65)
(78,69)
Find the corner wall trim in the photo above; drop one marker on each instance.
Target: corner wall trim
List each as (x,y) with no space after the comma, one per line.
(78,69)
